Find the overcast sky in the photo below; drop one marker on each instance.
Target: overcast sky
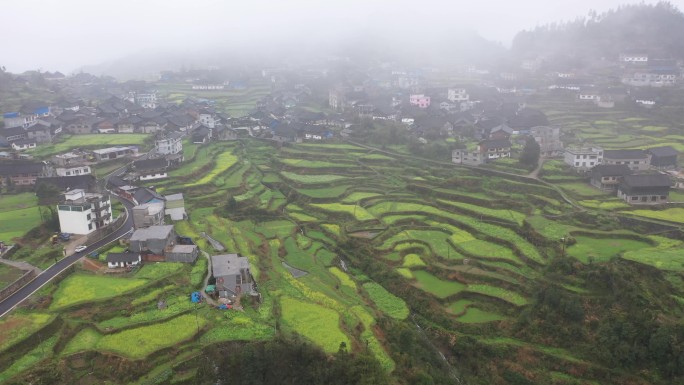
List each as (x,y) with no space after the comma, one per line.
(67,34)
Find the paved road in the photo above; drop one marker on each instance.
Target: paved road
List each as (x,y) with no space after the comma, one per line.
(15,299)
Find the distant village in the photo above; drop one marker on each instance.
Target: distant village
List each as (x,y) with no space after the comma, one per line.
(487,117)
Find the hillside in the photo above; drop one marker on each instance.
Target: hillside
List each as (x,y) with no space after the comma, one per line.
(654,29)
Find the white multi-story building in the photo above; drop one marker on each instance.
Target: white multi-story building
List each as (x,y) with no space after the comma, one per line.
(583,158)
(169,145)
(208,119)
(420,100)
(146,100)
(458,95)
(634,58)
(73,170)
(82,213)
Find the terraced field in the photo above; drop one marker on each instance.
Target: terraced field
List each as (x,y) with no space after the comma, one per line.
(438,240)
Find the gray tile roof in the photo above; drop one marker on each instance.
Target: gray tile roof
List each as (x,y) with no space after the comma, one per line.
(152,232)
(228,264)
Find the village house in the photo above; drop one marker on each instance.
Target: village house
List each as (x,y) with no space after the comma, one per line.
(151,169)
(583,158)
(73,170)
(548,138)
(224,133)
(115,153)
(24,144)
(9,135)
(419,100)
(202,134)
(67,183)
(232,274)
(148,214)
(607,176)
(153,239)
(23,174)
(636,160)
(457,95)
(175,207)
(169,144)
(82,212)
(486,151)
(663,158)
(644,188)
(27,116)
(123,260)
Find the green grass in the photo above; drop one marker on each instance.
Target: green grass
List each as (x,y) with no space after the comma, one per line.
(612,204)
(405,272)
(357,196)
(486,249)
(675,214)
(505,215)
(236,326)
(315,322)
(138,343)
(39,353)
(413,260)
(356,211)
(9,274)
(79,288)
(198,272)
(17,201)
(459,306)
(16,327)
(311,179)
(386,302)
(16,223)
(272,229)
(305,163)
(69,142)
(475,315)
(85,340)
(435,286)
(582,189)
(497,292)
(155,271)
(602,249)
(344,278)
(224,161)
(174,306)
(330,192)
(668,254)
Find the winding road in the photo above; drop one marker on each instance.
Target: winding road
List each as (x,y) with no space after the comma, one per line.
(51,272)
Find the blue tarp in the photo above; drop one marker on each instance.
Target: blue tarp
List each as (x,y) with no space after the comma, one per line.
(195,297)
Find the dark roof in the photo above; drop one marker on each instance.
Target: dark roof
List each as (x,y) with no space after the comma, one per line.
(24,141)
(495,143)
(123,257)
(663,151)
(151,164)
(144,195)
(63,183)
(610,170)
(14,131)
(624,154)
(21,168)
(646,180)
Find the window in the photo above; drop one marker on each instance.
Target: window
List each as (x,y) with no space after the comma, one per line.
(90,226)
(577,164)
(89,216)
(635,198)
(654,198)
(663,197)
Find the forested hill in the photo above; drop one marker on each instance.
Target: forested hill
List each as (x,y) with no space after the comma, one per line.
(654,29)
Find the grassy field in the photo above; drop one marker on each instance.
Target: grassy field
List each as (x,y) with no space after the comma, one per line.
(671,215)
(315,322)
(68,142)
(601,249)
(435,286)
(9,274)
(475,315)
(386,302)
(19,213)
(16,327)
(80,288)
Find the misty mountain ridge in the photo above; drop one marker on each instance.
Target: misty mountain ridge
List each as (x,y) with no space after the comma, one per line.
(449,47)
(655,30)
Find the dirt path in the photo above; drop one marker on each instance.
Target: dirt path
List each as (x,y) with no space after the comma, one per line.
(535,173)
(20,265)
(206,297)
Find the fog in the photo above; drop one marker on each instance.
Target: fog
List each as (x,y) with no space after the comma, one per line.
(66,35)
